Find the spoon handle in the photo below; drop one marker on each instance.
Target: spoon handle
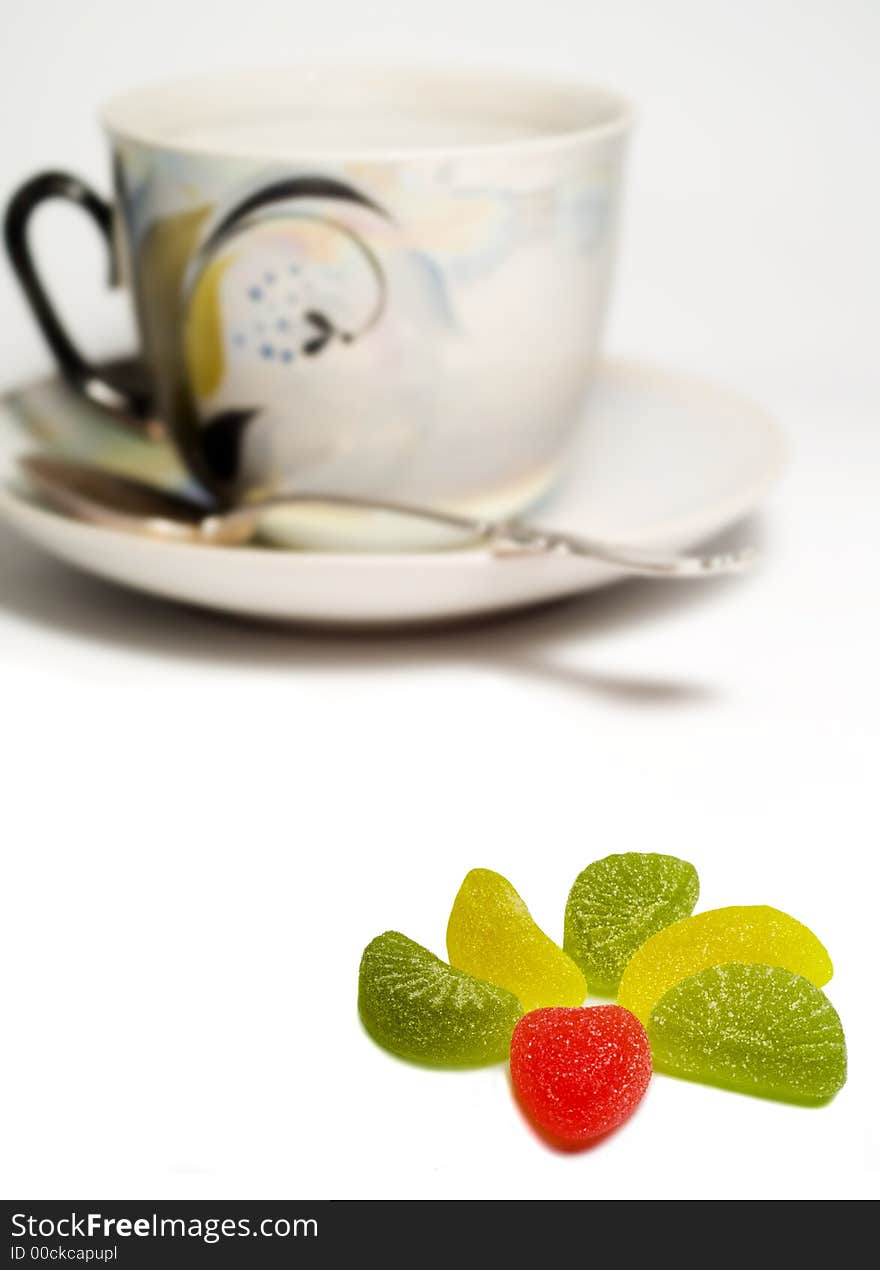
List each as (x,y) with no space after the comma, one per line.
(516,538)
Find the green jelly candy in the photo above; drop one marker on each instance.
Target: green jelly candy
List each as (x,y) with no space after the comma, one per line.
(412,1003)
(757,1029)
(619,902)
(492,934)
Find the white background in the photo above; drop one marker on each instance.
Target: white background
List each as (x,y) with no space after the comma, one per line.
(204,823)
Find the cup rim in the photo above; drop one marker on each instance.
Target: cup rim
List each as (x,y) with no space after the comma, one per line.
(606,113)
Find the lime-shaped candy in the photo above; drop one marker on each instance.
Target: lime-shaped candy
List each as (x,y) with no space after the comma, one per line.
(759,1029)
(492,934)
(619,902)
(744,934)
(412,1003)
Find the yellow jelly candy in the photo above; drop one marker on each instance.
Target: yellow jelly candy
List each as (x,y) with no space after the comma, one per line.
(745,934)
(492,935)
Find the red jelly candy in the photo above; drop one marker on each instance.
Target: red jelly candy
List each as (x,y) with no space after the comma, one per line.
(580,1072)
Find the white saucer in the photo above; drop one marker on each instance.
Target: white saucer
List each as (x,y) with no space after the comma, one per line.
(663,461)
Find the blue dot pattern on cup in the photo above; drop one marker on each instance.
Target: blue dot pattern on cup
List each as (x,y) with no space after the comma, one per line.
(270,340)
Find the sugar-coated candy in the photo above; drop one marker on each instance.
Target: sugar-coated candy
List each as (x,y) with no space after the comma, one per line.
(491,934)
(619,902)
(578,1073)
(745,934)
(412,1003)
(759,1029)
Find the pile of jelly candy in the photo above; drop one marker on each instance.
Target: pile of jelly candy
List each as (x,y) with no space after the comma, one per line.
(731,997)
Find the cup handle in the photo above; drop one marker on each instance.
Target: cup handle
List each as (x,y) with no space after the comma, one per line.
(123,393)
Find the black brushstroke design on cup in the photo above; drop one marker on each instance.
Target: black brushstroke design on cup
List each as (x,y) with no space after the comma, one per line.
(211,449)
(222,435)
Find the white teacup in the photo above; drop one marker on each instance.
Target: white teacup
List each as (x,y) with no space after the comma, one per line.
(388,282)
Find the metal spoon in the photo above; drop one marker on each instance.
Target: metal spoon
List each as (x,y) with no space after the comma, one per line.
(102,498)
